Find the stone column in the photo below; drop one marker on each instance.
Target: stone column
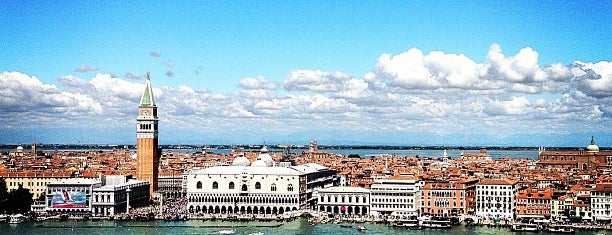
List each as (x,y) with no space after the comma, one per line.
(127,202)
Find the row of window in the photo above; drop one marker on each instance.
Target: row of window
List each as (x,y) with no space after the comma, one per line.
(392,200)
(147,126)
(343,199)
(231,185)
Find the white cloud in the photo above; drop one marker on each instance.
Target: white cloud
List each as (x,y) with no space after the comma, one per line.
(258,83)
(416,92)
(316,81)
(514,106)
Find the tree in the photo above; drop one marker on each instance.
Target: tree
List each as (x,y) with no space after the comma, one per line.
(3,196)
(19,201)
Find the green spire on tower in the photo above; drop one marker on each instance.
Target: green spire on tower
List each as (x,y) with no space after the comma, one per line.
(147,96)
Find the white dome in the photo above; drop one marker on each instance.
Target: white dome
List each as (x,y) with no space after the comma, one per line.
(259,163)
(592,147)
(241,161)
(19,148)
(265,157)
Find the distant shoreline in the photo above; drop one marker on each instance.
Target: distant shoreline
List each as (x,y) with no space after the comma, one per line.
(93,147)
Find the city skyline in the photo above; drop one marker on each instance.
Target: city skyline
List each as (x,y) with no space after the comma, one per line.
(398,73)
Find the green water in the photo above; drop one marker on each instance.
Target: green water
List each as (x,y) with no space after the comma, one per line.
(299,226)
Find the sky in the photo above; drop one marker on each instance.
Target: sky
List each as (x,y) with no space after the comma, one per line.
(500,73)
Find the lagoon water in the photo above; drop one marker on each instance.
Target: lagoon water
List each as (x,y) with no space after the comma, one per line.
(298,226)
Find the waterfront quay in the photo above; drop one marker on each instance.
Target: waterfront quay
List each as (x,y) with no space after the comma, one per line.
(196,226)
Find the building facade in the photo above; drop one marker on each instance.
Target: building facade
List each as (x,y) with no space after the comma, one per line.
(148,152)
(256,190)
(449,197)
(397,195)
(344,200)
(601,202)
(583,159)
(495,198)
(534,203)
(71,196)
(171,186)
(119,193)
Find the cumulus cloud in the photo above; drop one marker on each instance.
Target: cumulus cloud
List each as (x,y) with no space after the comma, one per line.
(314,80)
(417,92)
(86,68)
(258,83)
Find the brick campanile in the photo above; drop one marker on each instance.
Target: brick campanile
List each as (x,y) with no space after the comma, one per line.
(148,152)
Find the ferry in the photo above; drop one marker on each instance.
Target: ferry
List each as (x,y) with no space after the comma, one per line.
(437,224)
(561,229)
(361,229)
(17,219)
(517,227)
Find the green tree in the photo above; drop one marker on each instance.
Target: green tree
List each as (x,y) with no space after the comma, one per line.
(3,196)
(20,200)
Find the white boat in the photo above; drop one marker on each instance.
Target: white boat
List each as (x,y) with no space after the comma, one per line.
(16,219)
(227,231)
(517,227)
(361,229)
(4,218)
(257,233)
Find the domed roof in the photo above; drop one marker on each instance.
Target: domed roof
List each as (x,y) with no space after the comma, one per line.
(19,148)
(592,147)
(259,163)
(241,160)
(265,157)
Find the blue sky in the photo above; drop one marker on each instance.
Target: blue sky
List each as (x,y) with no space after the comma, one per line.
(379,72)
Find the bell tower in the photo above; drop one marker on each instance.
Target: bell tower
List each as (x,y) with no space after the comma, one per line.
(147,152)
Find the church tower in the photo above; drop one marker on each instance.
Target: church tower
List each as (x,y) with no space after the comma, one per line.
(148,152)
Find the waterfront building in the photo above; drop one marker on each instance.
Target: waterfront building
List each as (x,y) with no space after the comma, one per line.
(495,198)
(584,160)
(562,207)
(344,200)
(148,152)
(601,202)
(117,193)
(71,196)
(449,197)
(399,195)
(534,203)
(258,188)
(481,156)
(34,181)
(317,177)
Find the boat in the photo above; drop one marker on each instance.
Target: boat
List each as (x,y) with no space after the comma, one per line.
(517,227)
(4,218)
(17,219)
(561,229)
(346,225)
(256,233)
(227,231)
(361,229)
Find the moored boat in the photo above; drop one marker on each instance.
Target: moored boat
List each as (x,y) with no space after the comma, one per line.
(361,229)
(17,219)
(227,231)
(561,229)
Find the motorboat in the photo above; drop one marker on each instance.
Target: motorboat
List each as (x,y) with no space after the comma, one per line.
(227,231)
(561,229)
(525,227)
(361,229)
(17,219)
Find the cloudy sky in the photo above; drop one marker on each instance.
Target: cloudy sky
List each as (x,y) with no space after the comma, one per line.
(535,73)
